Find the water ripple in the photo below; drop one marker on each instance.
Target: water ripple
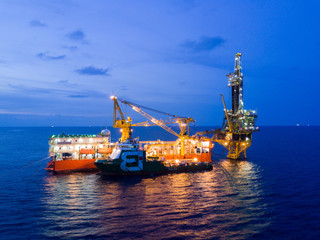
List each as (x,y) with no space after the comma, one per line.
(264,197)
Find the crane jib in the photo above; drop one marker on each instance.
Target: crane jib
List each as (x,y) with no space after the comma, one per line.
(151,109)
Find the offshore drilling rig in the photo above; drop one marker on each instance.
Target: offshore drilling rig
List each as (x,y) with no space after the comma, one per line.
(239,124)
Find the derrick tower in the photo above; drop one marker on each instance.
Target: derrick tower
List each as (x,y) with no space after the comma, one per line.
(236,84)
(239,124)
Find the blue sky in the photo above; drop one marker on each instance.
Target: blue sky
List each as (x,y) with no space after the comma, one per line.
(61,60)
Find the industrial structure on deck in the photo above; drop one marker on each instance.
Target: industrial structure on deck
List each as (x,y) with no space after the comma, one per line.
(186,147)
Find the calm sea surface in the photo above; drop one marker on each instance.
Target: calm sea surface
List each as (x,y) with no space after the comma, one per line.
(274,194)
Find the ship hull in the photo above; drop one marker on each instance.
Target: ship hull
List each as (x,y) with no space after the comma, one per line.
(151,168)
(114,169)
(83,165)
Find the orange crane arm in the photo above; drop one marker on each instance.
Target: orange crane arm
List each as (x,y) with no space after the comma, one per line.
(155,121)
(149,123)
(226,113)
(116,108)
(152,119)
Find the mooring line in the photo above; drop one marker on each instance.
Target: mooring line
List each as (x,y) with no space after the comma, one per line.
(41,167)
(226,173)
(25,166)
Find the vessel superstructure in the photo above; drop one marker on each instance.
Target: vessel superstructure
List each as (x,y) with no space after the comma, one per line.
(70,152)
(194,149)
(128,158)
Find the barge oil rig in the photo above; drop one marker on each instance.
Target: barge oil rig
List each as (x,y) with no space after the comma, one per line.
(83,152)
(239,124)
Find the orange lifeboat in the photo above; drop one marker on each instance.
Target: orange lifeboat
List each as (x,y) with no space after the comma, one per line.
(87,151)
(105,150)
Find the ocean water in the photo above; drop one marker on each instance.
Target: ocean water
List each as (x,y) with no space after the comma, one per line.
(274,194)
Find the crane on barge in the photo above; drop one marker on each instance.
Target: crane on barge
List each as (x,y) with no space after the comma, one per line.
(126,123)
(183,122)
(184,143)
(239,124)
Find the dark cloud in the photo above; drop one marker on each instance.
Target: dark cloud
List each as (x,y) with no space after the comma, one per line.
(198,59)
(91,70)
(77,96)
(77,35)
(44,56)
(198,52)
(37,23)
(205,44)
(71,48)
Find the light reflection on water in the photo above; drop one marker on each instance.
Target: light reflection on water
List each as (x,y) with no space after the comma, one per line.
(272,195)
(226,202)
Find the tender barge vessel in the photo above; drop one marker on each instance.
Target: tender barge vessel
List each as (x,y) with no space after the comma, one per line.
(78,152)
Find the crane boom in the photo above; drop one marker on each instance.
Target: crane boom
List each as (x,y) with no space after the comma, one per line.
(148,108)
(183,122)
(226,113)
(152,119)
(149,123)
(126,125)
(116,108)
(123,123)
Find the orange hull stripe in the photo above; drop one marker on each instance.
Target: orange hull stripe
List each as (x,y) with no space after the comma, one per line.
(65,165)
(203,157)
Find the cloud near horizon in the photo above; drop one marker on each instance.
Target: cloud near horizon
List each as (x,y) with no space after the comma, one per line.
(45,56)
(91,70)
(63,81)
(77,96)
(78,93)
(205,44)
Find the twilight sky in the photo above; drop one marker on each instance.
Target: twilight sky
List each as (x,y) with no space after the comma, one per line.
(61,60)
